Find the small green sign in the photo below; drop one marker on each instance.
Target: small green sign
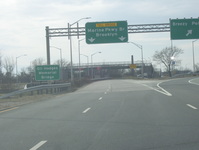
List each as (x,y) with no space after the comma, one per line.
(106,32)
(184,29)
(47,72)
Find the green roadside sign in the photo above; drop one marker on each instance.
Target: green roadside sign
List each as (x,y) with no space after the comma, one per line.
(184,29)
(47,72)
(106,32)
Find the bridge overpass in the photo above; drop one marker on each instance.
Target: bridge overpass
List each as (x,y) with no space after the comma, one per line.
(108,69)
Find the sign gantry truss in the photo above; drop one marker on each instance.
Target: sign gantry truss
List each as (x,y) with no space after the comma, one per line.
(80,31)
(146,28)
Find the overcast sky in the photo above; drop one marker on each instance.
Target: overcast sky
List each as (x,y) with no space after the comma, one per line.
(23,22)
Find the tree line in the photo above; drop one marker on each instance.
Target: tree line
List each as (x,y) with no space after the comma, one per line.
(9,77)
(168,56)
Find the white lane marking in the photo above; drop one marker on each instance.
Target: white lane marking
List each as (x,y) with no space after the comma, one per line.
(163,91)
(166,92)
(191,106)
(107,90)
(86,110)
(190,81)
(38,145)
(100,98)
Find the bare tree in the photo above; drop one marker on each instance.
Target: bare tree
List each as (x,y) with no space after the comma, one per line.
(63,63)
(9,65)
(166,56)
(36,62)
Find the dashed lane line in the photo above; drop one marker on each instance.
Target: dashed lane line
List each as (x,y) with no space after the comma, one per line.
(38,145)
(191,106)
(86,110)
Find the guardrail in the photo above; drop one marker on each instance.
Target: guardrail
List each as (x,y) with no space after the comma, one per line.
(52,87)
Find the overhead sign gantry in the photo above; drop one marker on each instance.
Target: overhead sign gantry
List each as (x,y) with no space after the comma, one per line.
(81,31)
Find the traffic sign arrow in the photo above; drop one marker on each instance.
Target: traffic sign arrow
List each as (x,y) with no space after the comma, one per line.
(91,39)
(189,32)
(122,38)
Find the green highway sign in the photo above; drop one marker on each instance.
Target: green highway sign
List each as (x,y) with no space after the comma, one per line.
(47,72)
(184,29)
(106,32)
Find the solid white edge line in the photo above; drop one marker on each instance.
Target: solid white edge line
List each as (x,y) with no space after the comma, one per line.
(86,110)
(191,106)
(190,81)
(166,92)
(38,145)
(163,90)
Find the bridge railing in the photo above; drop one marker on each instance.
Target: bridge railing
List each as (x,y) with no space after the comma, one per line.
(123,63)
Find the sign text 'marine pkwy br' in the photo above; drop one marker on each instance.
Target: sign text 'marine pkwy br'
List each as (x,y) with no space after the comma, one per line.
(106,32)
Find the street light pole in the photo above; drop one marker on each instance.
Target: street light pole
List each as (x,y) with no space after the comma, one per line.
(79,57)
(194,69)
(141,48)
(17,66)
(87,62)
(70,38)
(60,50)
(92,62)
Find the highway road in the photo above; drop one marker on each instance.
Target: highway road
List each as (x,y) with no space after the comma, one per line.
(109,115)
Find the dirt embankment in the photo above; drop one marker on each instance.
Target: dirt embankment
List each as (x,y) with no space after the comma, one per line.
(17,101)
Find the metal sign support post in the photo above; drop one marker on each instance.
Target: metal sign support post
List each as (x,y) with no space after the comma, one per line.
(48,45)
(71,55)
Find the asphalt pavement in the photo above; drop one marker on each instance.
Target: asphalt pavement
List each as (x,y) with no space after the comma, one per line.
(109,115)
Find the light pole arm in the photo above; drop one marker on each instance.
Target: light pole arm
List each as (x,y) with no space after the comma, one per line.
(60,52)
(56,47)
(79,20)
(94,53)
(86,57)
(138,45)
